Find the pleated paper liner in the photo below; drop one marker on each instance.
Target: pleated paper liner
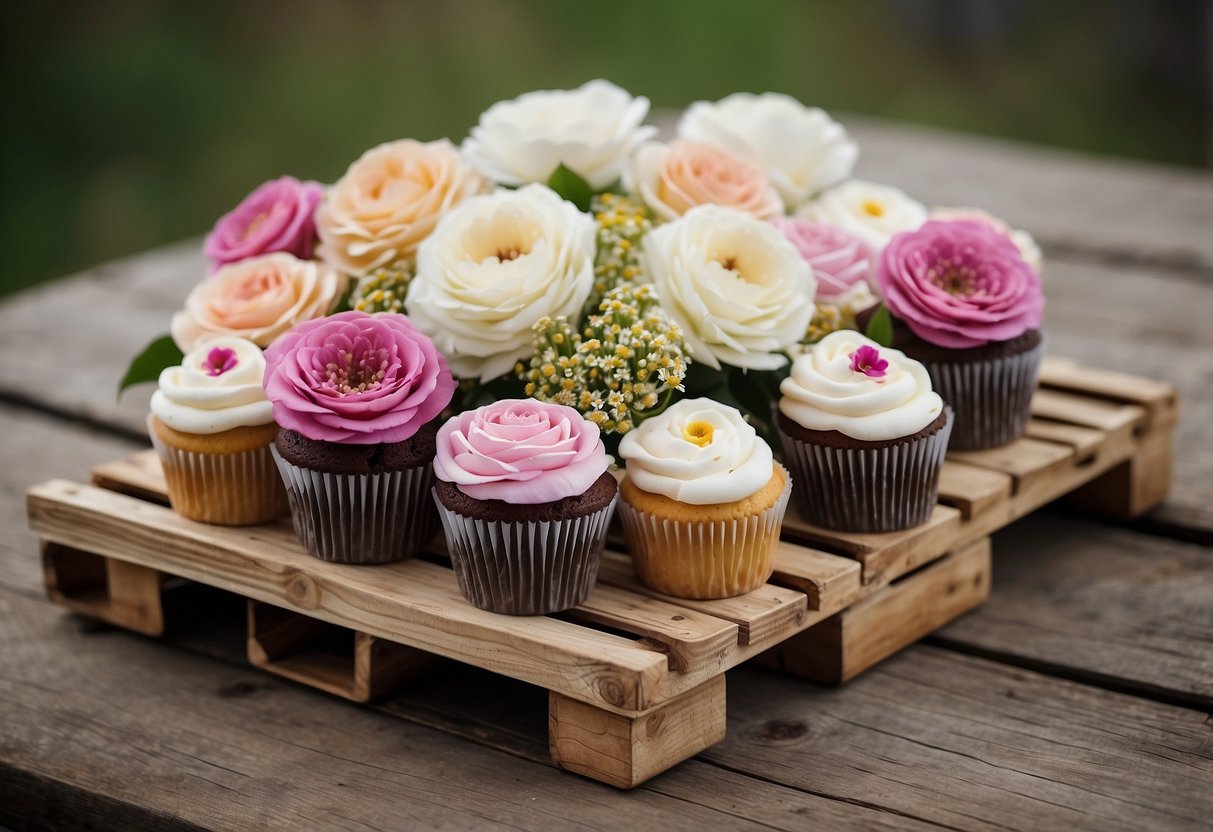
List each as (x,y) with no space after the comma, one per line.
(704,559)
(527,567)
(880,489)
(239,489)
(360,518)
(992,398)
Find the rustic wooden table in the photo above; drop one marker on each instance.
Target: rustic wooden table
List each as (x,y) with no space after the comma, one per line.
(1078,697)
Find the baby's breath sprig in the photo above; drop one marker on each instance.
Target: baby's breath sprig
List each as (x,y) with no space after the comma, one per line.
(828,318)
(622,223)
(625,365)
(383,290)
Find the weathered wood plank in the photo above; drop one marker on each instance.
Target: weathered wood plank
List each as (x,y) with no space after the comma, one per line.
(126,733)
(971,489)
(970,744)
(1105,605)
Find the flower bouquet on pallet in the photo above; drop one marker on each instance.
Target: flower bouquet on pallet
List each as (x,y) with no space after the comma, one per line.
(470,336)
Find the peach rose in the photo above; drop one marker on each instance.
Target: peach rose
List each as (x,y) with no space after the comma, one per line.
(259,299)
(389,201)
(673,178)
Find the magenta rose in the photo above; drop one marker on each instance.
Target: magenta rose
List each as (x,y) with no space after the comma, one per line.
(521,451)
(840,260)
(278,216)
(960,284)
(356,378)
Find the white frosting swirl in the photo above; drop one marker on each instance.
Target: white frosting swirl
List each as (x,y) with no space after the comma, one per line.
(824,393)
(699,452)
(216,388)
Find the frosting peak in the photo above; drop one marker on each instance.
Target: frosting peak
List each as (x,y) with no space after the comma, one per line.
(217,387)
(850,384)
(699,452)
(521,451)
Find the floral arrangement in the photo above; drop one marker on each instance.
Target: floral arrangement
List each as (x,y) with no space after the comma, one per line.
(566,253)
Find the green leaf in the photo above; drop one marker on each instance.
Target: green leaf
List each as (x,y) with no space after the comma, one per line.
(148,364)
(572,187)
(880,326)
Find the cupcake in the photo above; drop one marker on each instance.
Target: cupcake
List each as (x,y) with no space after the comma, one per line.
(864,435)
(212,429)
(525,500)
(703,501)
(969,307)
(355,397)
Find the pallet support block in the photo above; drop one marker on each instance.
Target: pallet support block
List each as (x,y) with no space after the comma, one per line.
(119,593)
(625,750)
(1135,486)
(868,632)
(335,659)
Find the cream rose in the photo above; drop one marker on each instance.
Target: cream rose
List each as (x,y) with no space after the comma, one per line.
(1028,248)
(388,201)
(872,212)
(740,291)
(802,149)
(674,178)
(591,130)
(492,268)
(699,452)
(258,299)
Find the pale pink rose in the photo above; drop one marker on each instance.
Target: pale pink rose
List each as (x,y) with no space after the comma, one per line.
(389,201)
(259,299)
(673,178)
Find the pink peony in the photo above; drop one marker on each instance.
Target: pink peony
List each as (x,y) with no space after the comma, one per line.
(960,284)
(521,451)
(840,260)
(356,378)
(277,216)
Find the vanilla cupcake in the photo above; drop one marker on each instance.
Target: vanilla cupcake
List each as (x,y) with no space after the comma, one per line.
(864,435)
(702,501)
(212,427)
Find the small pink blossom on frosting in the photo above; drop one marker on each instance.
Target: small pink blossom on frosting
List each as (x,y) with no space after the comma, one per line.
(840,260)
(960,284)
(867,360)
(278,216)
(219,360)
(356,378)
(521,451)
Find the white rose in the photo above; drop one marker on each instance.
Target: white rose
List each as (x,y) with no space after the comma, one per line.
(740,291)
(698,451)
(494,266)
(803,150)
(590,130)
(872,212)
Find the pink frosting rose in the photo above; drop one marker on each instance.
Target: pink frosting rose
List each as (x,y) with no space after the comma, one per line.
(840,260)
(521,451)
(960,284)
(356,378)
(278,216)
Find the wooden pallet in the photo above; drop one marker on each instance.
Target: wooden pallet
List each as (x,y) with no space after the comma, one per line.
(635,679)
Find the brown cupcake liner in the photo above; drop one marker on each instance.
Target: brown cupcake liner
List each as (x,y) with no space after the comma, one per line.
(880,489)
(992,398)
(532,567)
(704,559)
(360,518)
(239,489)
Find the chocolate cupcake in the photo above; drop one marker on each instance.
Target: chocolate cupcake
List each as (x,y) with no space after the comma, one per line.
(969,307)
(525,501)
(863,434)
(355,397)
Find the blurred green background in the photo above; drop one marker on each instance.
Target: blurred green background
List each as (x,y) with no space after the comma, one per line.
(132,123)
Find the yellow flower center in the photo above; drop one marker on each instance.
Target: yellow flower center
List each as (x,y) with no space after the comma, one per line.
(873,208)
(698,433)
